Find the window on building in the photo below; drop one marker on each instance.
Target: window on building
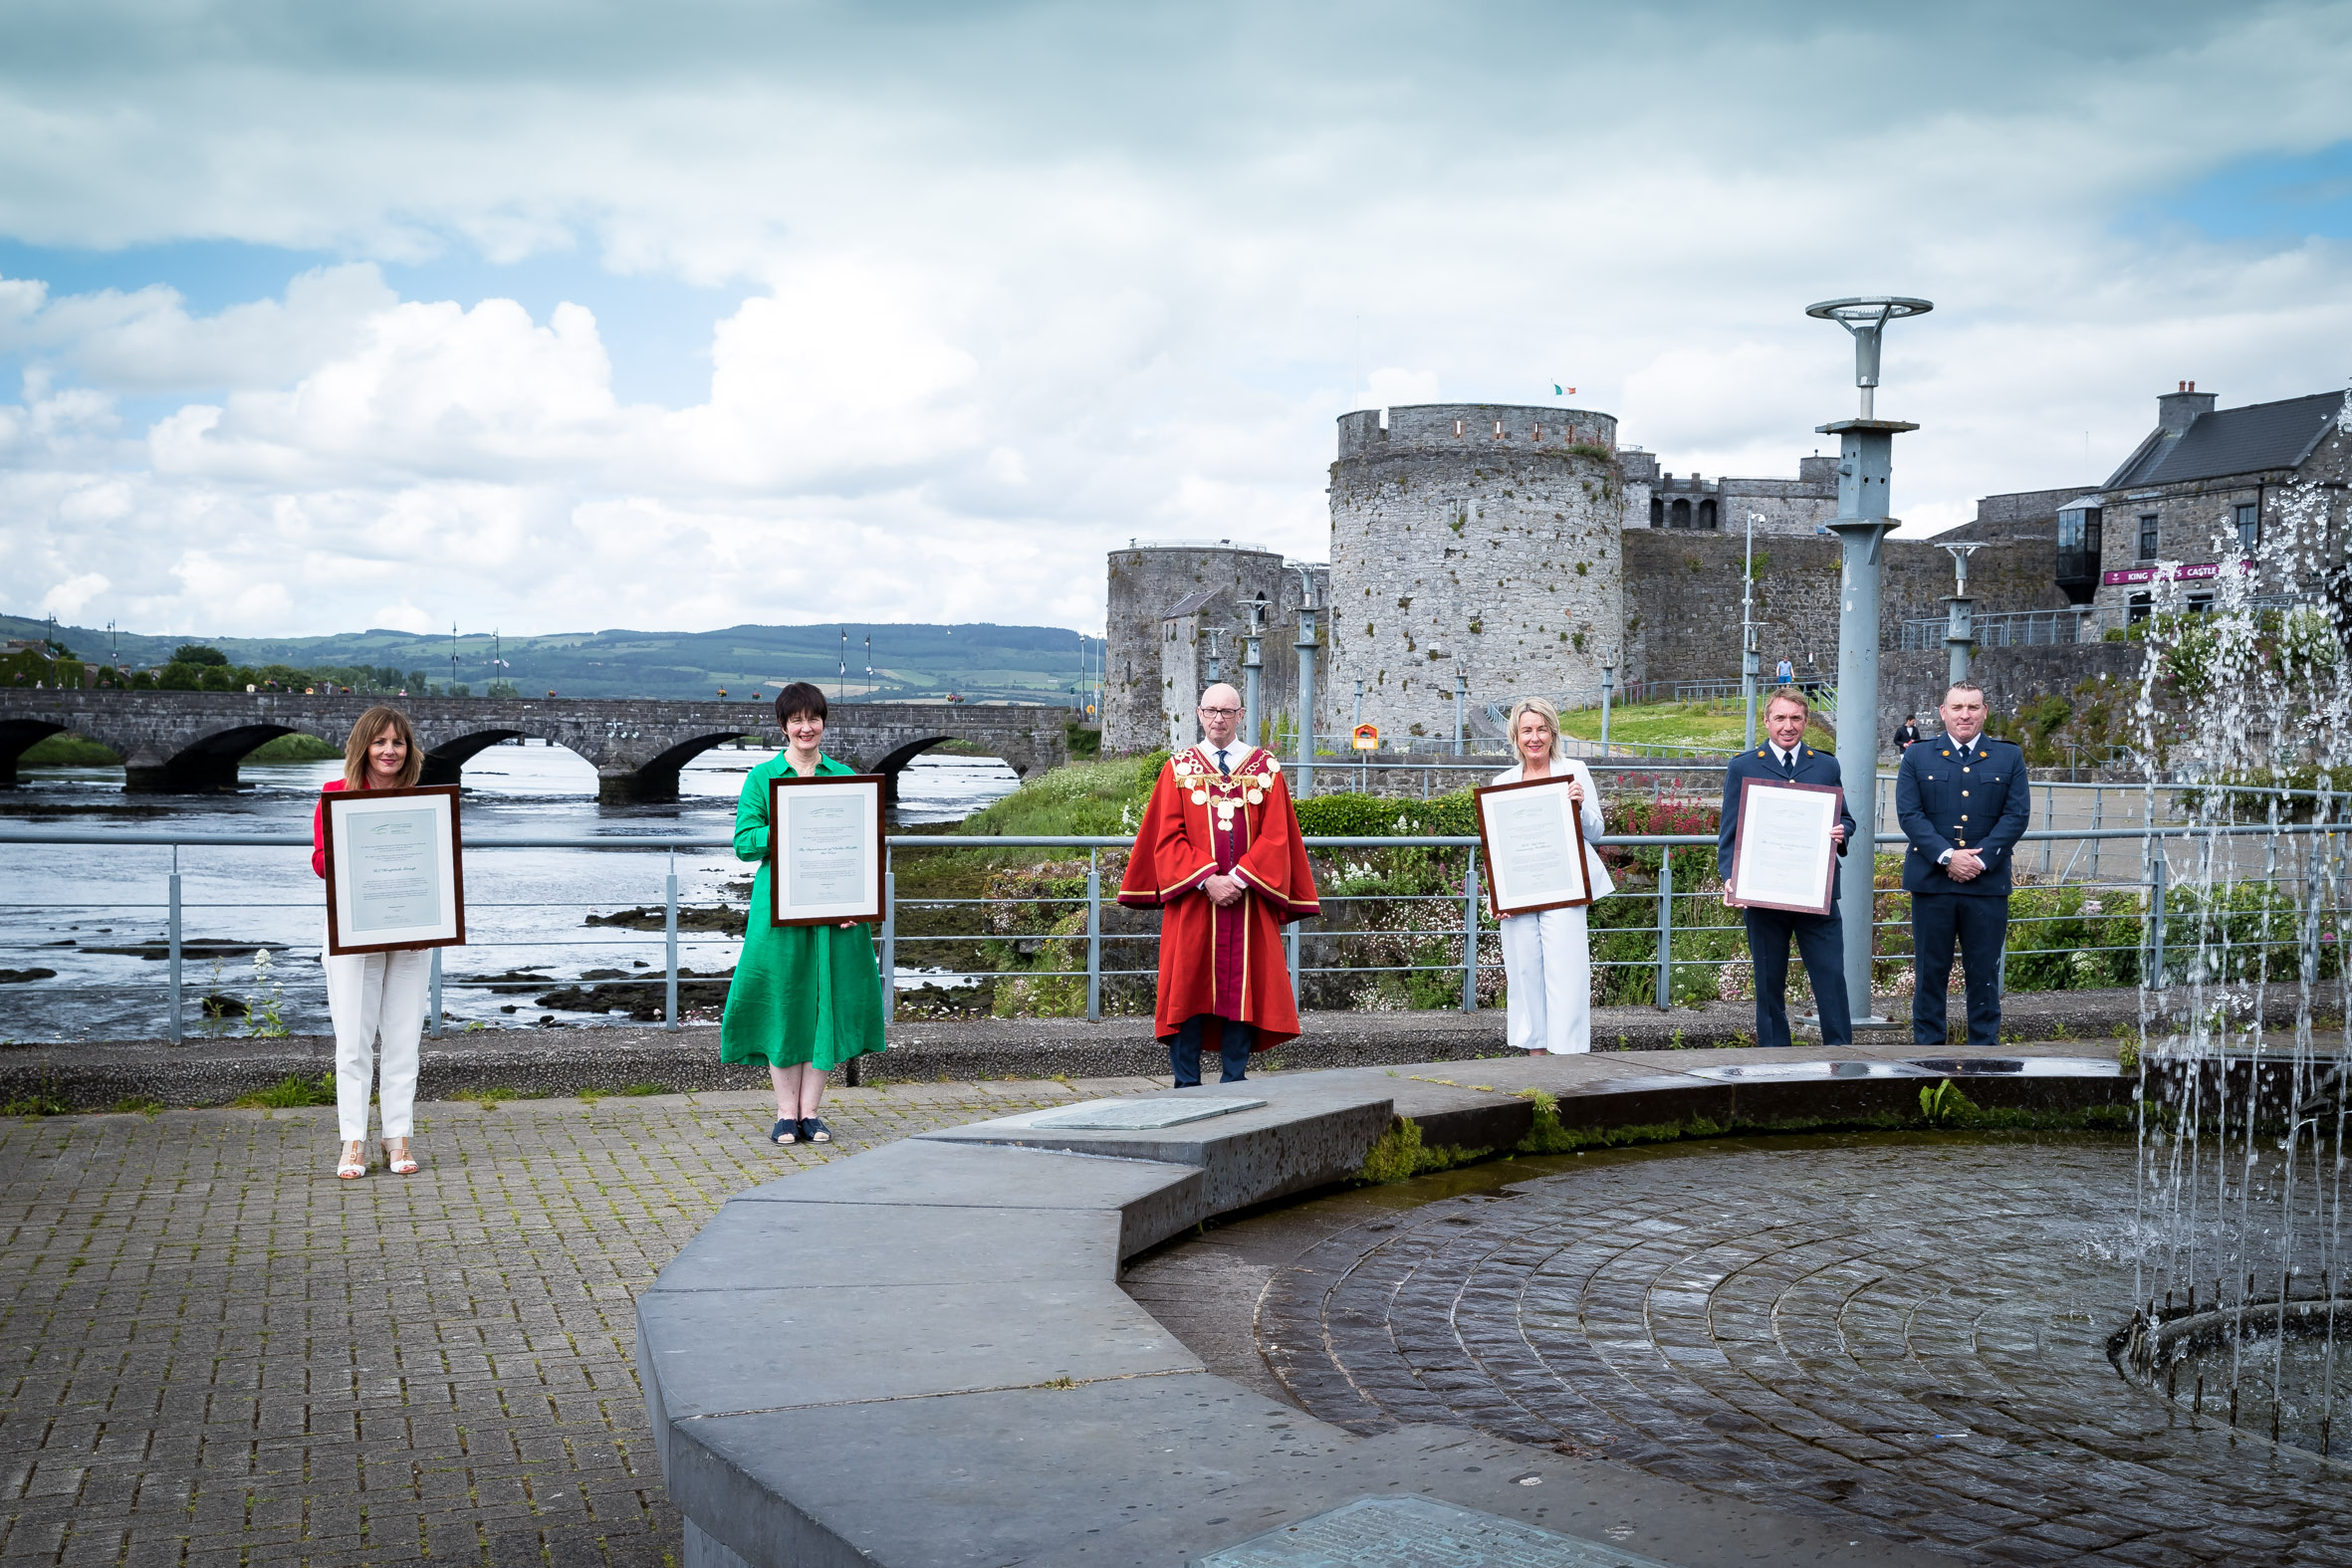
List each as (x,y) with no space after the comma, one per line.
(2078,544)
(2148,536)
(2201,603)
(2142,606)
(1681,513)
(2250,529)
(1707,514)
(1657,510)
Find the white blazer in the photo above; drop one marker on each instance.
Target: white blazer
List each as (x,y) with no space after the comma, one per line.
(1594,867)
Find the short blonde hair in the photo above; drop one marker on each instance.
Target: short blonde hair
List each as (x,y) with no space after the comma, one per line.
(1541,710)
(1789,694)
(371,725)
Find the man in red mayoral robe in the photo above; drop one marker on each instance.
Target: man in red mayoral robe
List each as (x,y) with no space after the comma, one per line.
(1219,855)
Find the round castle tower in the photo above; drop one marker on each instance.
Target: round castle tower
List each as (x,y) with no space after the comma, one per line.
(1478,537)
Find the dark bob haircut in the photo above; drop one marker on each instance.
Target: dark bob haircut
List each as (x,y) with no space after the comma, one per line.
(798,699)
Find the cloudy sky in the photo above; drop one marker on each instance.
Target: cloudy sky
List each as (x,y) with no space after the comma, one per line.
(552,317)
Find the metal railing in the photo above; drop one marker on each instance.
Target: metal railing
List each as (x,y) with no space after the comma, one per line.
(2010,629)
(1665,946)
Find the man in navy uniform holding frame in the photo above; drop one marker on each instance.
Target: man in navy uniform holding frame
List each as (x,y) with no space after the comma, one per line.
(1964,801)
(1820,939)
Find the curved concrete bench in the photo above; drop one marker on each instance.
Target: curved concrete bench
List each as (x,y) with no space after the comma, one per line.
(920,1355)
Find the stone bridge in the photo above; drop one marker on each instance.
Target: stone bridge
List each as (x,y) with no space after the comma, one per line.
(189,742)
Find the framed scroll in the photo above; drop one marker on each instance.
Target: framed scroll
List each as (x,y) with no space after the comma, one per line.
(395,869)
(1534,838)
(1783,856)
(824,845)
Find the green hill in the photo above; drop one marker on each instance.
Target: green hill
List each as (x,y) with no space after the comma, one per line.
(981,662)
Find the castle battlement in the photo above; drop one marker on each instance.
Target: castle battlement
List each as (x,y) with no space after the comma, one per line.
(1460,429)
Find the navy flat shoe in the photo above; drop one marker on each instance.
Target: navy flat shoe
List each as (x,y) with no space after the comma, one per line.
(814,1130)
(785,1131)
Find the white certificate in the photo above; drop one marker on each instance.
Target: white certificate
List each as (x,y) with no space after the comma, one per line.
(1783,856)
(394,872)
(826,839)
(1533,836)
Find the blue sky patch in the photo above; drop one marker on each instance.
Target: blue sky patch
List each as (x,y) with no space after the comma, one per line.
(2271,198)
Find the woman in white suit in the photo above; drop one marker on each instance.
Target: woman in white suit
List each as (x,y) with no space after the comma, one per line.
(1546,962)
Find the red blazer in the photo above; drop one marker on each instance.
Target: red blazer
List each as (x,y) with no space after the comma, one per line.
(318,824)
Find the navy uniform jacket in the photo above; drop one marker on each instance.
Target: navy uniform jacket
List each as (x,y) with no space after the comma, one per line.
(1813,767)
(1942,804)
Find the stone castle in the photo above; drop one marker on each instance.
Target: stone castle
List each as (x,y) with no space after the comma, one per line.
(1502,551)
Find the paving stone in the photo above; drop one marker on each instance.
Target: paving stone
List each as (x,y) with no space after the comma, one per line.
(1831,1324)
(390,1367)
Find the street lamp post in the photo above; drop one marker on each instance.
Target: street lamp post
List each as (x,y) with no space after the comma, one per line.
(1305,648)
(1865,468)
(1749,665)
(1959,632)
(1253,659)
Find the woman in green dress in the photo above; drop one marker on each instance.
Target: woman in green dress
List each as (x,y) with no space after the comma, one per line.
(805,998)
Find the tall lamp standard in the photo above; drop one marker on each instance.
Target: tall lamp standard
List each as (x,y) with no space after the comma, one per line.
(1749,666)
(1866,445)
(1306,651)
(1253,660)
(1959,632)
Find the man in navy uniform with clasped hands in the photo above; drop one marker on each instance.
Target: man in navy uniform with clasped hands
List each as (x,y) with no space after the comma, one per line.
(1964,801)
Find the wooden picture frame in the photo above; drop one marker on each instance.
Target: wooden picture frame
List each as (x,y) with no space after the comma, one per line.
(1755,806)
(1520,821)
(395,869)
(829,830)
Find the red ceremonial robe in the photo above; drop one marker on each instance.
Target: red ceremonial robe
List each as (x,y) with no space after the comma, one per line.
(1226,962)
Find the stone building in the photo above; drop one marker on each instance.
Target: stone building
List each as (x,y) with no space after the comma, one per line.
(1780,505)
(1177,608)
(1473,541)
(2198,495)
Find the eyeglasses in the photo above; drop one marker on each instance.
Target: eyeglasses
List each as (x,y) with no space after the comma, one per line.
(1227,712)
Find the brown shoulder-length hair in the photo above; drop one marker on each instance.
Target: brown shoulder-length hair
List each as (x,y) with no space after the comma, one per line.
(371,725)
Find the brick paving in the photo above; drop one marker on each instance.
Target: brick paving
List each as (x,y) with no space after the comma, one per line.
(1908,1330)
(212,1351)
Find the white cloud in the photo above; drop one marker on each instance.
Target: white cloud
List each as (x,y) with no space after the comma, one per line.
(1028,281)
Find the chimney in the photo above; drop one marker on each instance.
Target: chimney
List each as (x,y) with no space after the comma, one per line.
(2175,411)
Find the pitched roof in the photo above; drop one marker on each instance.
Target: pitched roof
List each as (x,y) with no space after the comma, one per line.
(1189,605)
(2228,441)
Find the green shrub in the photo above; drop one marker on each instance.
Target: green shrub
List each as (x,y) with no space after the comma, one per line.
(44,1098)
(291,1092)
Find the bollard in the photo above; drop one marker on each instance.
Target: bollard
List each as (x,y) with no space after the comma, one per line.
(1094,939)
(1665,929)
(889,964)
(1469,932)
(434,989)
(172,938)
(669,935)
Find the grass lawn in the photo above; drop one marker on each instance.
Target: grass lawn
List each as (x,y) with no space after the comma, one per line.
(1720,726)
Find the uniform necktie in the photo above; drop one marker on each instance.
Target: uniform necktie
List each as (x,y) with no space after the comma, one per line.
(1788,764)
(1220,768)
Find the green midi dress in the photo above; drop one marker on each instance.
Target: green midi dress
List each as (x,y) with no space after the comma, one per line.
(801,994)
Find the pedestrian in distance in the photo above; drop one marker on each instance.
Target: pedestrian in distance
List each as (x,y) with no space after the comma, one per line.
(1964,801)
(375,997)
(805,998)
(1219,855)
(1820,939)
(1546,954)
(1907,735)
(1784,672)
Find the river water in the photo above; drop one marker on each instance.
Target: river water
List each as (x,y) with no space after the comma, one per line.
(63,907)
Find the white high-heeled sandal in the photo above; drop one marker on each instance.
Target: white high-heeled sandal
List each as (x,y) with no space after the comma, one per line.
(354,1163)
(402,1162)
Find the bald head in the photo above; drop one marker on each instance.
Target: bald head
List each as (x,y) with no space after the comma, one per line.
(1220,714)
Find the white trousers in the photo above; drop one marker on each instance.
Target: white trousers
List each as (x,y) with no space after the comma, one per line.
(373,995)
(1549,968)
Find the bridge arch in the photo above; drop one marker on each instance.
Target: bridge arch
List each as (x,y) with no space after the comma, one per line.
(654,781)
(19,736)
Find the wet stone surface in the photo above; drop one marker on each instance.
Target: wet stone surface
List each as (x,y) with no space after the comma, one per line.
(1902,1332)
